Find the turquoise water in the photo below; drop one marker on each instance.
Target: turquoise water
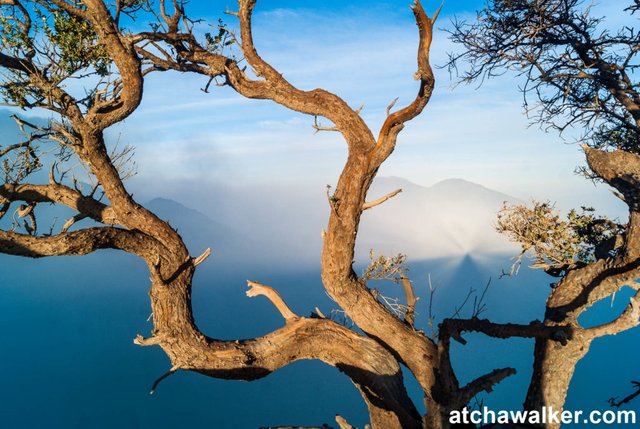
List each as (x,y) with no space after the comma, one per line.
(67,358)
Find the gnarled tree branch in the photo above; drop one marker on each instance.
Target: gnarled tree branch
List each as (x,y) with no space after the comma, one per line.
(80,242)
(454,327)
(256,289)
(484,383)
(377,202)
(61,194)
(630,318)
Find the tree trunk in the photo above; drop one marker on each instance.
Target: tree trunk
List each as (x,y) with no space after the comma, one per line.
(553,368)
(437,415)
(372,369)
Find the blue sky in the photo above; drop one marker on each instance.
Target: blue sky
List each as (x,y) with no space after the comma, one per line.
(364,52)
(188,142)
(355,8)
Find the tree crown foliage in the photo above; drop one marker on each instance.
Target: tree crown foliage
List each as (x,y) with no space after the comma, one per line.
(557,245)
(577,73)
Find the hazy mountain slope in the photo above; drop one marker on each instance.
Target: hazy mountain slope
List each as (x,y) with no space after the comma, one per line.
(452,217)
(85,311)
(199,231)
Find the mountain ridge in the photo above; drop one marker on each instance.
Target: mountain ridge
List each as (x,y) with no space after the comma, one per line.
(450,218)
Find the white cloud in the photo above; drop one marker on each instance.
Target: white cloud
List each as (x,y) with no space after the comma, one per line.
(367,57)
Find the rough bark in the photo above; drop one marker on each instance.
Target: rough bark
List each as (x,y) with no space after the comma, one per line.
(372,361)
(60,194)
(554,364)
(553,369)
(373,370)
(365,156)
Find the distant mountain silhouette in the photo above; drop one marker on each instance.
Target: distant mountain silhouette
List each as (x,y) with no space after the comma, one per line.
(200,231)
(452,217)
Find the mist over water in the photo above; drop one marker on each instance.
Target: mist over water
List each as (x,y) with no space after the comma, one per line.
(68,359)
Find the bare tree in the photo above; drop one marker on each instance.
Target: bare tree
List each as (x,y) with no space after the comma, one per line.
(48,43)
(577,74)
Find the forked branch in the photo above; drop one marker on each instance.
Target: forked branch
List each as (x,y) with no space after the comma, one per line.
(342,423)
(409,315)
(615,402)
(395,121)
(272,295)
(630,318)
(54,192)
(80,242)
(484,383)
(371,362)
(371,204)
(453,328)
